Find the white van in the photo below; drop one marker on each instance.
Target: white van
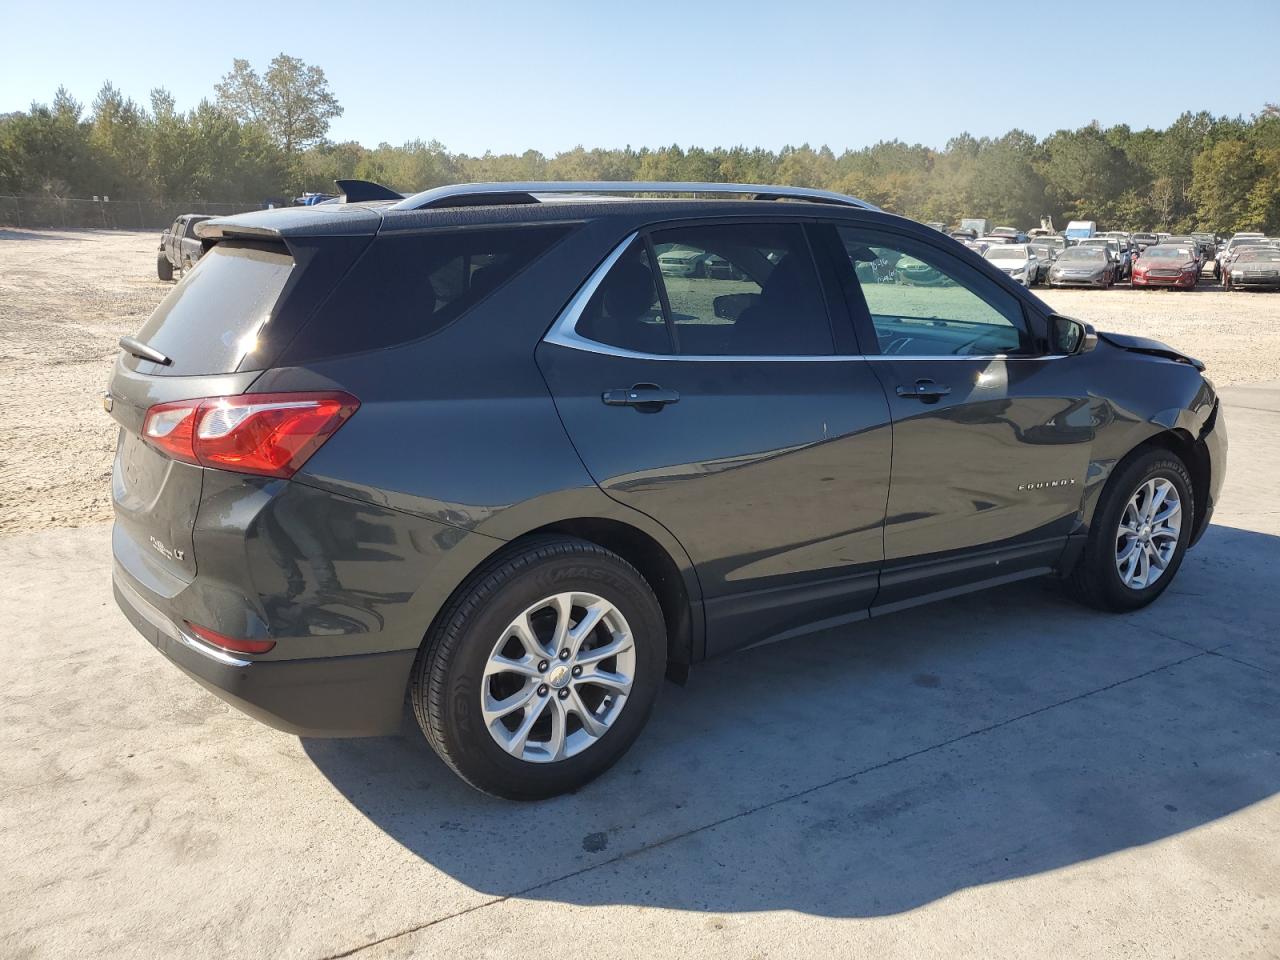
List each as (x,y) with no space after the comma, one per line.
(1078,230)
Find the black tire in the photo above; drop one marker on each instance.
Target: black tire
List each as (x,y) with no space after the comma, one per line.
(164,269)
(446,682)
(1095,580)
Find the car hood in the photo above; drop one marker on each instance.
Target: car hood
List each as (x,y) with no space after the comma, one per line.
(1006,264)
(1150,347)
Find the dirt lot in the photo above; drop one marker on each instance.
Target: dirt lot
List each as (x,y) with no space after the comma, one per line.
(67,296)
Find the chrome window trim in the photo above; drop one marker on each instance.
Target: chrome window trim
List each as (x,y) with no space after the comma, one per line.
(564,333)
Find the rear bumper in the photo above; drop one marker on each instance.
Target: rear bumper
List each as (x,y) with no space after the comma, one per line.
(340,696)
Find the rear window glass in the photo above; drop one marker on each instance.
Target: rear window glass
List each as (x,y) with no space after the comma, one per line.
(213,318)
(404,288)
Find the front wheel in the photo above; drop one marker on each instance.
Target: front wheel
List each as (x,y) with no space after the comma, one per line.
(542,670)
(1139,534)
(164,269)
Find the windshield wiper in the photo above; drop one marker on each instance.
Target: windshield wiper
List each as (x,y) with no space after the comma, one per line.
(140,350)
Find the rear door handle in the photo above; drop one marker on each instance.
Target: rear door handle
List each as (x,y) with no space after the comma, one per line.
(926,390)
(647,397)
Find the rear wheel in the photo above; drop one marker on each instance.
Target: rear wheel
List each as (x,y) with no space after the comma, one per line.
(542,671)
(164,269)
(1139,534)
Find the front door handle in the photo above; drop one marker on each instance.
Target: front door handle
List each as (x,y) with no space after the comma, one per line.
(925,390)
(645,397)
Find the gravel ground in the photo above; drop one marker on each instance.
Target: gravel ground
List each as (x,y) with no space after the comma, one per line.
(67,296)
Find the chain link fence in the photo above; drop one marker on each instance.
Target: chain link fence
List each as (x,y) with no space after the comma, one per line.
(54,212)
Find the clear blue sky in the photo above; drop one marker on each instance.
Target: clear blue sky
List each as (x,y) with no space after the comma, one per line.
(510,76)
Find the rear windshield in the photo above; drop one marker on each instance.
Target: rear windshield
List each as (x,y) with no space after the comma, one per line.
(213,318)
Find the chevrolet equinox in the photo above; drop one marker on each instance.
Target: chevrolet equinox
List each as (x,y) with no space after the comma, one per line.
(514,452)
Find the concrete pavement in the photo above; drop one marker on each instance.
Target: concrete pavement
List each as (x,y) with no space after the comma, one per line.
(1006,774)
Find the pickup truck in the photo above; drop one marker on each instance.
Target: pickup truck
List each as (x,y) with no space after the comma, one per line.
(180,248)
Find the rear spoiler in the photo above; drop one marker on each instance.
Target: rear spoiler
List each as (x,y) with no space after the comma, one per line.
(212,231)
(357,191)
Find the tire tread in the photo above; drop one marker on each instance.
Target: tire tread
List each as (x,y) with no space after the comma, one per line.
(428,680)
(1085,580)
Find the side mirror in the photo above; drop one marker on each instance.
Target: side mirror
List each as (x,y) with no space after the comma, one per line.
(1069,336)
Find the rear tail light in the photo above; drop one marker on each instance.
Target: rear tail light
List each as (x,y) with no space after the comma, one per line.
(229,643)
(269,434)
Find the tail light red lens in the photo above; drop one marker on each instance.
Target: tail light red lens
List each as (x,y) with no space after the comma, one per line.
(229,643)
(269,434)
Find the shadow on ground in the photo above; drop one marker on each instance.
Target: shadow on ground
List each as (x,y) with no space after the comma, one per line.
(7,233)
(874,770)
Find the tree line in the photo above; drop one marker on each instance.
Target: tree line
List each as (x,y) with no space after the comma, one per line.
(263,137)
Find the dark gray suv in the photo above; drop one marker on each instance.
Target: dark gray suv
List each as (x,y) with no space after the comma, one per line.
(500,451)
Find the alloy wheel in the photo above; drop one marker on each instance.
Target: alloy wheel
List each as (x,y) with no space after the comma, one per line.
(1147,536)
(558,677)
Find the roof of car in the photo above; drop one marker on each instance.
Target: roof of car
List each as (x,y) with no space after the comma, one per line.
(496,204)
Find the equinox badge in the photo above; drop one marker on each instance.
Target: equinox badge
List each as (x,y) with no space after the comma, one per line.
(1043,484)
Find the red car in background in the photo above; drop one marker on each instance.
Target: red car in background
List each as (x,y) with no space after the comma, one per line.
(1167,265)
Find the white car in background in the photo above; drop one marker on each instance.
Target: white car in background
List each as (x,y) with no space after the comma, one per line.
(1018,260)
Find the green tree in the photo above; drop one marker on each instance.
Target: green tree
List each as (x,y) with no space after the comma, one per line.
(291,100)
(1223,179)
(118,136)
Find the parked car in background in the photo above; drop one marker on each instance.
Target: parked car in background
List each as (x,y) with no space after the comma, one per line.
(682,262)
(1079,266)
(473,451)
(180,248)
(1046,253)
(1018,260)
(1011,234)
(1078,230)
(1228,252)
(1208,245)
(1256,267)
(1119,256)
(1144,240)
(1167,265)
(980,226)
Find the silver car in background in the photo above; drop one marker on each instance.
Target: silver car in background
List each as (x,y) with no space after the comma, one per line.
(1018,260)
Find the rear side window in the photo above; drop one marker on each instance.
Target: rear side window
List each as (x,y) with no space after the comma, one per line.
(743,290)
(406,287)
(213,318)
(625,310)
(735,290)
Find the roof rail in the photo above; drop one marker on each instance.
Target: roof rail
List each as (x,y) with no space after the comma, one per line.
(487,194)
